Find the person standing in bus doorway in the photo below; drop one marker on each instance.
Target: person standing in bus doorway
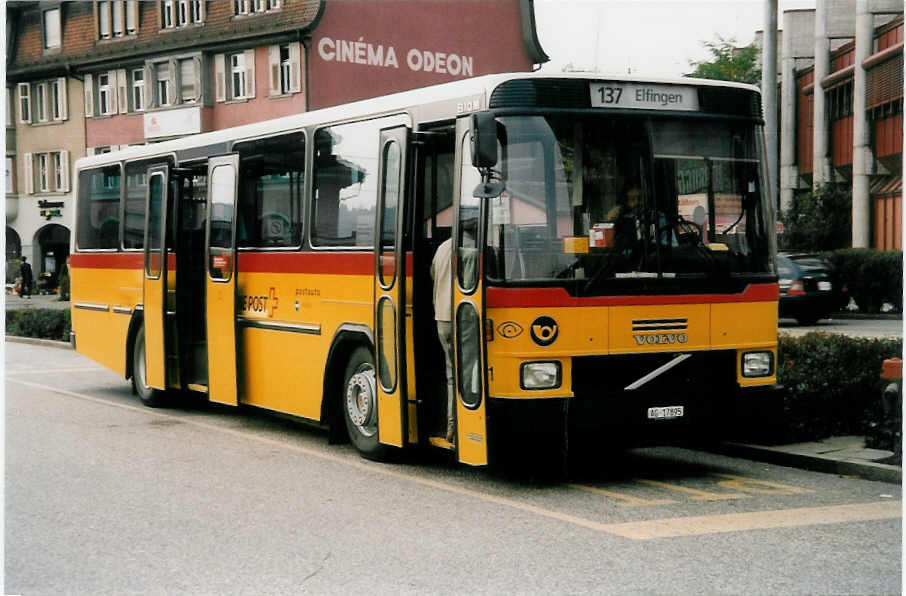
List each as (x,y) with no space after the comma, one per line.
(442,274)
(27,279)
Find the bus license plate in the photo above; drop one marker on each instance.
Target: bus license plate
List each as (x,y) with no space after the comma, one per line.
(665,413)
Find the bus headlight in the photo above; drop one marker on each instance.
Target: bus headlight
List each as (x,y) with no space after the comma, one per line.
(757,364)
(540,375)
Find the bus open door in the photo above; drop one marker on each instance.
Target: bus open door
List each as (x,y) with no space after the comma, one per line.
(154,281)
(468,309)
(220,280)
(391,316)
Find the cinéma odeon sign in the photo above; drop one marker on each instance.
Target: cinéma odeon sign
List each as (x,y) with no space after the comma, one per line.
(637,96)
(359,51)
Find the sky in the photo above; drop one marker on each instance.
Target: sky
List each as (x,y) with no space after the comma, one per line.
(648,37)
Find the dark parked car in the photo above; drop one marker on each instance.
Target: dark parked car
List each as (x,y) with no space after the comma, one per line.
(806,288)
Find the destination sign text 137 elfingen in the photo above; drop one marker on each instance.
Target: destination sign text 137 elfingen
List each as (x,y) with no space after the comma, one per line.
(644,97)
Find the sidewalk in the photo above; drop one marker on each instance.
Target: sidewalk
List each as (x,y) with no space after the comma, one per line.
(846,456)
(14,301)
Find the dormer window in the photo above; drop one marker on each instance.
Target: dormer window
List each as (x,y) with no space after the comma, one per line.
(52,29)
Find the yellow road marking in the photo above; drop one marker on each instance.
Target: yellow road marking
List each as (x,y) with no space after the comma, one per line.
(698,495)
(754,485)
(758,520)
(640,530)
(627,500)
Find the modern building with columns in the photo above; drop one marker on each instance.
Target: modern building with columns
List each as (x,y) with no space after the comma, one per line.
(841,110)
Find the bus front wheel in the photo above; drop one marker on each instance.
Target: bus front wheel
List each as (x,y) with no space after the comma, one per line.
(153,398)
(360,405)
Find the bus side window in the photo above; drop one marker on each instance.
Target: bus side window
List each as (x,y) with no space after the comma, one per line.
(271,186)
(99,208)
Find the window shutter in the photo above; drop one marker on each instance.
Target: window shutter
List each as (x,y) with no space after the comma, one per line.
(89,96)
(201,4)
(122,95)
(25,93)
(199,77)
(250,73)
(295,63)
(220,77)
(29,174)
(111,106)
(64,175)
(64,100)
(150,88)
(273,69)
(131,16)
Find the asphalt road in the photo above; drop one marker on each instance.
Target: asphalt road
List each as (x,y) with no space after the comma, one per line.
(104,496)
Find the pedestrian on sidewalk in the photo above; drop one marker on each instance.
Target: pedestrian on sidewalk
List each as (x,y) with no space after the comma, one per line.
(27,279)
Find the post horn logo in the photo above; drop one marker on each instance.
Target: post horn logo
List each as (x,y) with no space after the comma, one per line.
(544,331)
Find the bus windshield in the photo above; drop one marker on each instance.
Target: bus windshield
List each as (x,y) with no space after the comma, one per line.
(604,199)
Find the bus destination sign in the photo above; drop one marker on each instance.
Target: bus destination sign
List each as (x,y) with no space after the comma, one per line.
(639,96)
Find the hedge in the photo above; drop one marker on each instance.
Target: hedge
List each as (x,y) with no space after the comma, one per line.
(832,386)
(871,277)
(43,323)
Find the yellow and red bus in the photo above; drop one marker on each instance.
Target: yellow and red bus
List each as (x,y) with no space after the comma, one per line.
(613,263)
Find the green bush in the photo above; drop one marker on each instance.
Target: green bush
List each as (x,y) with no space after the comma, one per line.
(818,220)
(871,277)
(832,385)
(42,323)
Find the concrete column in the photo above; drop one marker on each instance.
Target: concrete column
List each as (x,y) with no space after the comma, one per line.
(789,173)
(821,163)
(863,158)
(769,95)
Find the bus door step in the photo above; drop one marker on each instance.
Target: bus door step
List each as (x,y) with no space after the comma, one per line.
(197,387)
(441,442)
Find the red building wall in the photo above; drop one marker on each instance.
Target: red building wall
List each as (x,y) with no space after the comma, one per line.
(364,49)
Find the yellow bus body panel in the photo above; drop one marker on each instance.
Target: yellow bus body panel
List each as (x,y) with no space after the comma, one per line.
(220,309)
(155,319)
(102,336)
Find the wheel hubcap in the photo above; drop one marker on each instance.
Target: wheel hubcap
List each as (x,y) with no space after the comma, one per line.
(361,403)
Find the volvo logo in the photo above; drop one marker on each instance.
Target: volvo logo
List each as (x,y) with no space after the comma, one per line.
(544,331)
(661,338)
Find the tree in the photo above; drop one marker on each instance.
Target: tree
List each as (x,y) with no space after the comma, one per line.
(728,62)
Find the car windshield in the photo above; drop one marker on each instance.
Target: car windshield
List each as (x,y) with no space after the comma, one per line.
(601,199)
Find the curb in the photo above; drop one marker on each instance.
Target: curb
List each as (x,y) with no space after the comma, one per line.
(818,463)
(48,343)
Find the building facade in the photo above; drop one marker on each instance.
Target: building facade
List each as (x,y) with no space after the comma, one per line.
(89,77)
(841,111)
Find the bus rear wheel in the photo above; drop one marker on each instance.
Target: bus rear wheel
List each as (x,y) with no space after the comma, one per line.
(153,398)
(359,405)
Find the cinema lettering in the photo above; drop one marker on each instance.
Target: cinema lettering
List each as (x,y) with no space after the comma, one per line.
(378,55)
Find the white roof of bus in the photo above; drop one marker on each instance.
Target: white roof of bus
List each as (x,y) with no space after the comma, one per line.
(388,104)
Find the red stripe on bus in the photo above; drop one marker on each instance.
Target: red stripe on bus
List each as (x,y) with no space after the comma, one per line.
(109,260)
(343,263)
(556,297)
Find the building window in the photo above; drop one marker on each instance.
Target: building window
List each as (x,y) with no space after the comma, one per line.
(24,102)
(138,89)
(237,76)
(168,20)
(43,179)
(131,16)
(57,99)
(245,7)
(105,94)
(187,84)
(162,76)
(10,107)
(104,20)
(284,71)
(118,19)
(41,102)
(52,38)
(9,175)
(197,11)
(57,170)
